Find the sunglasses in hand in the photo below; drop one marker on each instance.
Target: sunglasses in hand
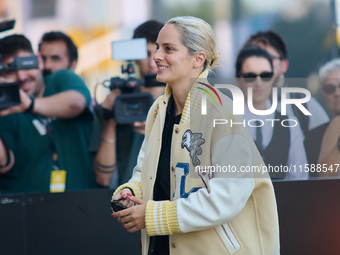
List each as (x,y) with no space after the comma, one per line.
(116,206)
(250,77)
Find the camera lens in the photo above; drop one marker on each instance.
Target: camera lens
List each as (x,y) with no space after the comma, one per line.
(3,96)
(132,108)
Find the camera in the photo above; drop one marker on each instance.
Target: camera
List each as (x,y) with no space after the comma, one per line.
(9,95)
(9,92)
(131,84)
(132,105)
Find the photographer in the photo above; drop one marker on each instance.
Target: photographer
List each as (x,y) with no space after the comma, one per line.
(120,145)
(48,136)
(58,52)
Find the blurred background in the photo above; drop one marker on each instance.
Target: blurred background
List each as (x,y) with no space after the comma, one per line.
(308,26)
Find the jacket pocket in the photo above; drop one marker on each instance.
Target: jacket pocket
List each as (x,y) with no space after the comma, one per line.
(228,238)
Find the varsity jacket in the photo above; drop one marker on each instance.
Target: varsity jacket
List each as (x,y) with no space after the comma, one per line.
(211,211)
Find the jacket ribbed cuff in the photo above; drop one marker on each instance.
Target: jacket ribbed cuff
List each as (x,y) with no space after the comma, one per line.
(134,186)
(161,218)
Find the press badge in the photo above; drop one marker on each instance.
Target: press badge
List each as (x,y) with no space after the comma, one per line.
(39,126)
(58,181)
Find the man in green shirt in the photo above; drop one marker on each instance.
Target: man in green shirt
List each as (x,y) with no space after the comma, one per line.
(49,130)
(58,52)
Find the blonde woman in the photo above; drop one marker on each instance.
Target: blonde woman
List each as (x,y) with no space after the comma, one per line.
(180,209)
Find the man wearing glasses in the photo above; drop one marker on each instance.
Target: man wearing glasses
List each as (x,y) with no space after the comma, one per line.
(274,44)
(278,138)
(329,75)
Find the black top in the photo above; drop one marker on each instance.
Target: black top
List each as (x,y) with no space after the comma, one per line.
(161,190)
(276,153)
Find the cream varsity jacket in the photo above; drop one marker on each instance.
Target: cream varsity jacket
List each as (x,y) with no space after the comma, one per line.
(213,210)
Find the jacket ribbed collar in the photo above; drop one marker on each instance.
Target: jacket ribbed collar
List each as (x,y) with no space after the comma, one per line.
(193,102)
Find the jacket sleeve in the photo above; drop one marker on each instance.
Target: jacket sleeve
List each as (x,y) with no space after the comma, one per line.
(225,197)
(134,183)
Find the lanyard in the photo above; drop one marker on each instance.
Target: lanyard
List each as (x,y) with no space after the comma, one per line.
(46,122)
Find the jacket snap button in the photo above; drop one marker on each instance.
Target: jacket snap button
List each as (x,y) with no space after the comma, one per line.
(173,245)
(150,177)
(173,168)
(177,131)
(164,102)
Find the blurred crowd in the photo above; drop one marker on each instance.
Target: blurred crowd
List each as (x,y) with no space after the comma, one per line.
(54,141)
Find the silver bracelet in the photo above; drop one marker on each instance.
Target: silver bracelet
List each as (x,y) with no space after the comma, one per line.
(108,140)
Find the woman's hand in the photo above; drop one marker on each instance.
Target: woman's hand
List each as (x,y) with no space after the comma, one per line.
(133,219)
(124,193)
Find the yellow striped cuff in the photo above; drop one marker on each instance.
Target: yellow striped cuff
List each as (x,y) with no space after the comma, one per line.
(134,186)
(161,218)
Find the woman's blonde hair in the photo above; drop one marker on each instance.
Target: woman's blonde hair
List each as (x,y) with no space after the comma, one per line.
(197,35)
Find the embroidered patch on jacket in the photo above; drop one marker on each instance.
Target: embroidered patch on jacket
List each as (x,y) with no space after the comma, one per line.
(193,142)
(205,174)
